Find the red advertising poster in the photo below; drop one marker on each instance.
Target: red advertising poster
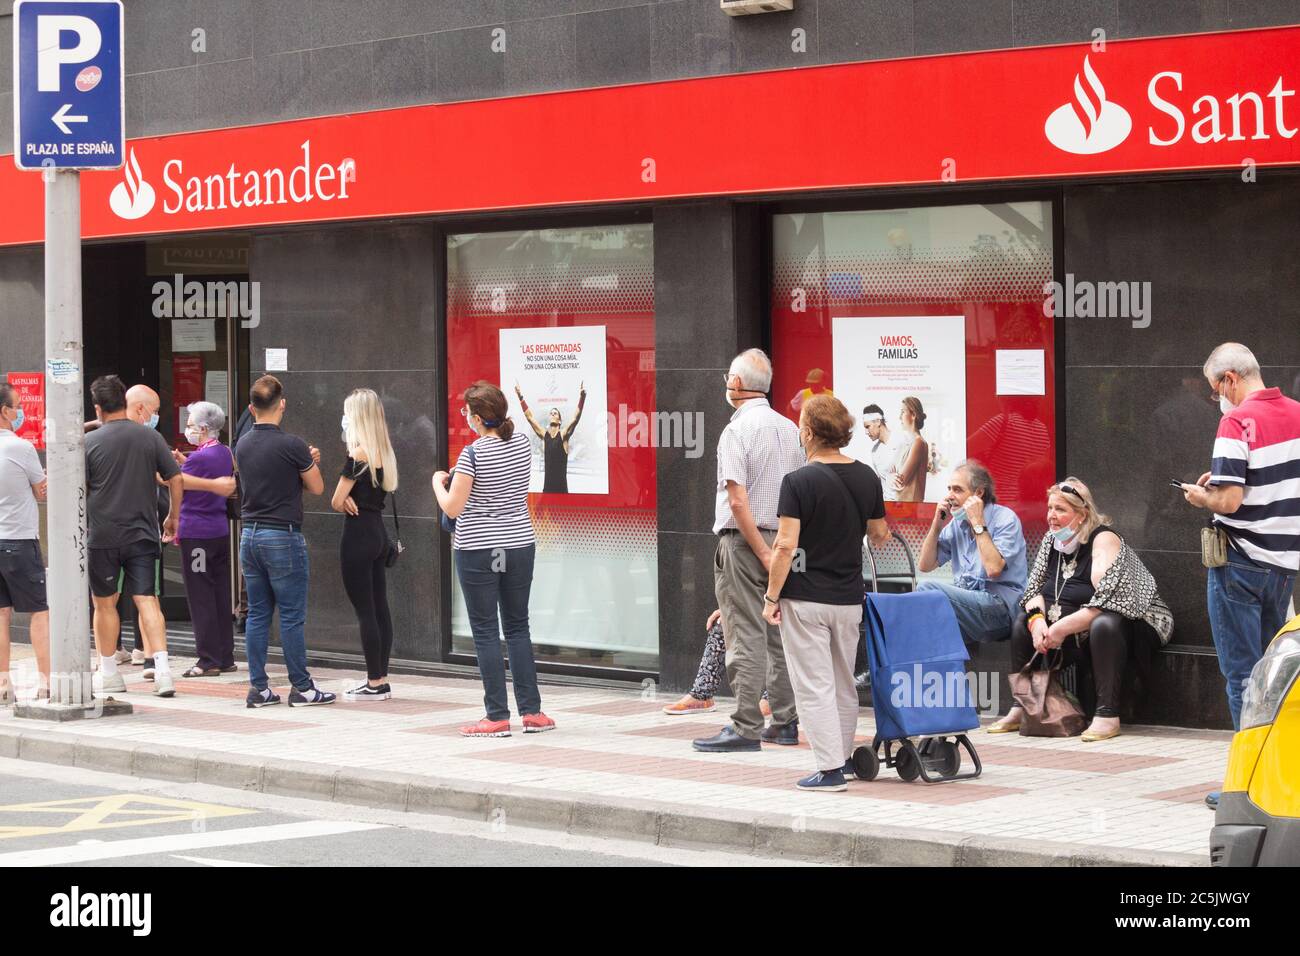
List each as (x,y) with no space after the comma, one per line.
(187,386)
(31,392)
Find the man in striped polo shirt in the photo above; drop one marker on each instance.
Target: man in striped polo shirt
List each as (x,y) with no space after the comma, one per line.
(1253,489)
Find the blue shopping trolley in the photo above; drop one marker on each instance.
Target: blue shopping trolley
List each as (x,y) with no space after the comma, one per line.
(917,661)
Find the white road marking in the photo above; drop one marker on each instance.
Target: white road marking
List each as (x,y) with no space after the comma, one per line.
(209,861)
(49,856)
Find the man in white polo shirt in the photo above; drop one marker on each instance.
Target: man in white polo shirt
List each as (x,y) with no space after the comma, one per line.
(22,568)
(758,448)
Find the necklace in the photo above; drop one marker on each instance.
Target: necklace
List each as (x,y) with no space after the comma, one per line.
(1062,567)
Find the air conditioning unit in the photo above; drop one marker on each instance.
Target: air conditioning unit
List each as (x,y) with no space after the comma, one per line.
(740,8)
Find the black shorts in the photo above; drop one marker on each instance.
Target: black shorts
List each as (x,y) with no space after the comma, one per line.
(22,576)
(132,569)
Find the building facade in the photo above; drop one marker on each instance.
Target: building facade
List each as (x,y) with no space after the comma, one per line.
(410,196)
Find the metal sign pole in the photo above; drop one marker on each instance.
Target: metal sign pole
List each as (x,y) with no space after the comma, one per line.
(65,443)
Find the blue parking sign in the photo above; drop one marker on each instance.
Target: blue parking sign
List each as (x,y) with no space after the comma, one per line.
(69,88)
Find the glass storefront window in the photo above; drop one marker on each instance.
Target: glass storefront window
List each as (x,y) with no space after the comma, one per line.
(568,316)
(934,316)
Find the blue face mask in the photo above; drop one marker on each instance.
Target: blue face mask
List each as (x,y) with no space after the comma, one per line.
(153,420)
(22,417)
(959,514)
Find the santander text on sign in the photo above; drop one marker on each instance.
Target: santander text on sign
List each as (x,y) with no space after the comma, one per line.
(1208,101)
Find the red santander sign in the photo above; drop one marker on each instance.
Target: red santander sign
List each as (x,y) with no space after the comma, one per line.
(1208,101)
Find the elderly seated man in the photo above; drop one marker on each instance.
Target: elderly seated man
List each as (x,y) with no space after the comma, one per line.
(986,545)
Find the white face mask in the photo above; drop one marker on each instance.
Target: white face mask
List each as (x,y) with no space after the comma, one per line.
(194,435)
(1225,403)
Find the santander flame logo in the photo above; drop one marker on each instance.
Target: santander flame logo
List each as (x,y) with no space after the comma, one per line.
(1090,124)
(133,197)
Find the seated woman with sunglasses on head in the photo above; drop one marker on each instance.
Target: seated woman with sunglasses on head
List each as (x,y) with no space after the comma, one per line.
(1089,596)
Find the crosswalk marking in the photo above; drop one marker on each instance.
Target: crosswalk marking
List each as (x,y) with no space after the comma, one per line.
(182,842)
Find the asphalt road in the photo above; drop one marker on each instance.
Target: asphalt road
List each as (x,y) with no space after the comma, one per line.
(65,816)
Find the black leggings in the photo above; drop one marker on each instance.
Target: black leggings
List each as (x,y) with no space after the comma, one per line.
(362,552)
(1107,645)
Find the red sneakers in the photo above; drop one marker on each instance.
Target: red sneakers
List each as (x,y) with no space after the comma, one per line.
(538,723)
(490,728)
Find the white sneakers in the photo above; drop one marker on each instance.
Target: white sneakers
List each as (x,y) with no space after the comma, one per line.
(137,657)
(108,685)
(163,686)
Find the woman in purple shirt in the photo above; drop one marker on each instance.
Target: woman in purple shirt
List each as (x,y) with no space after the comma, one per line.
(204,540)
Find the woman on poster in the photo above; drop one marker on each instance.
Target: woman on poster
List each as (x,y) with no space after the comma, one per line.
(555,442)
(914,453)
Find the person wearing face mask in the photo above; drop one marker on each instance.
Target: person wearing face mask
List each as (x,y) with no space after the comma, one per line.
(125,461)
(756,450)
(22,568)
(986,545)
(1253,492)
(495,549)
(1088,596)
(208,479)
(368,476)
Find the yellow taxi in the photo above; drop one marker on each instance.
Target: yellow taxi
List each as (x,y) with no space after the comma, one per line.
(1257,822)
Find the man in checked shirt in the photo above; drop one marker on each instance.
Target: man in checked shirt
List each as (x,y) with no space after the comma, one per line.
(756,450)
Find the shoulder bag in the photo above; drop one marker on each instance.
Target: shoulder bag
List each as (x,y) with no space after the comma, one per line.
(449,524)
(1050,711)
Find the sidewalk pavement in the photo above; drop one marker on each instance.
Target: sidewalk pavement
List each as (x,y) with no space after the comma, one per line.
(618,766)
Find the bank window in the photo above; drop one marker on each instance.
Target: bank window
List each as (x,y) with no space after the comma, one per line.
(567,317)
(928,323)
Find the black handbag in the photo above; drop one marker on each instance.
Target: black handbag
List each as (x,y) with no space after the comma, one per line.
(395,548)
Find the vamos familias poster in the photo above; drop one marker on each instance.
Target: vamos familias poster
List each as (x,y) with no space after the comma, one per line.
(903,378)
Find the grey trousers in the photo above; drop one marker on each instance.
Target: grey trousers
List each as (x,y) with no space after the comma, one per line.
(755,658)
(821,642)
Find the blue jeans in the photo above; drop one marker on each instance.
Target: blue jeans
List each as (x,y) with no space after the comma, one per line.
(492,579)
(982,617)
(275,569)
(1247,604)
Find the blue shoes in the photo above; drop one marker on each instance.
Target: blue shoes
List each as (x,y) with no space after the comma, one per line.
(786,735)
(829,781)
(1212,799)
(727,741)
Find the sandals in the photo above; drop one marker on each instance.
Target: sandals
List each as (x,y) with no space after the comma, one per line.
(197,671)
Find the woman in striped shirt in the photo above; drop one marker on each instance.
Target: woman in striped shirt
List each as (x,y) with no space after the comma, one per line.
(494,552)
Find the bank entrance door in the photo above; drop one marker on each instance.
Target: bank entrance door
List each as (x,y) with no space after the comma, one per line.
(170,314)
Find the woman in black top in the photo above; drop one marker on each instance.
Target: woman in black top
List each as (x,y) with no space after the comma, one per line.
(825,508)
(555,442)
(1089,596)
(368,474)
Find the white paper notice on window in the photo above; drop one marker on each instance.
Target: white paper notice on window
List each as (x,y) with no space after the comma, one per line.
(194,335)
(277,360)
(215,388)
(1021,372)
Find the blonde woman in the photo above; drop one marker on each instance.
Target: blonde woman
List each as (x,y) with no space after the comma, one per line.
(366,479)
(1088,595)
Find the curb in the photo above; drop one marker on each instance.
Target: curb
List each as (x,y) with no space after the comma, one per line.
(770,835)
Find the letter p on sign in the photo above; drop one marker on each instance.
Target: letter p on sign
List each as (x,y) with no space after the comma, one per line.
(50,55)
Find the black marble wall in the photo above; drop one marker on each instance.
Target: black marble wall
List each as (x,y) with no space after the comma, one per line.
(354,306)
(1219,255)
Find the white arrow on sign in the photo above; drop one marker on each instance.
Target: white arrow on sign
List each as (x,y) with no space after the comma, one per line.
(62,119)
